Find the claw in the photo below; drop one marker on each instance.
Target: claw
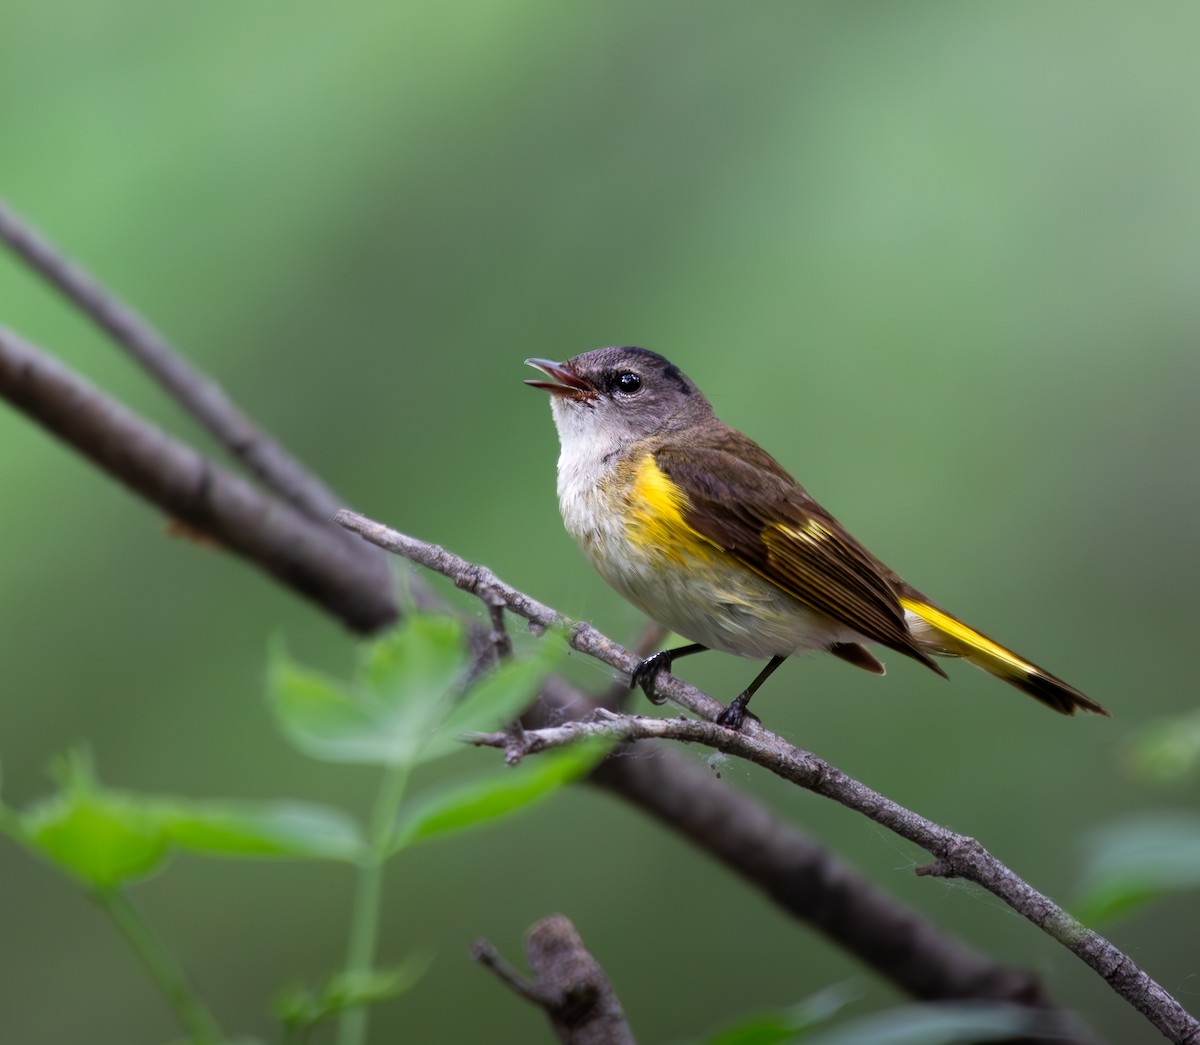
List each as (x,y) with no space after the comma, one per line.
(734,714)
(645,675)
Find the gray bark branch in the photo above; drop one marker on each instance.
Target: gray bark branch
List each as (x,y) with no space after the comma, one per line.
(305,555)
(955,855)
(568,984)
(806,879)
(198,394)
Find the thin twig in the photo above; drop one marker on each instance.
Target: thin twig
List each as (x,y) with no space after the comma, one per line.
(569,985)
(485,953)
(964,856)
(811,883)
(303,554)
(501,645)
(498,636)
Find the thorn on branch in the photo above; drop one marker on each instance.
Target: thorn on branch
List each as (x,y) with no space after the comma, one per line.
(516,743)
(956,861)
(940,868)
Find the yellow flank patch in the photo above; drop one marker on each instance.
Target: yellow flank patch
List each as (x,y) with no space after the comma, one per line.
(974,647)
(654,520)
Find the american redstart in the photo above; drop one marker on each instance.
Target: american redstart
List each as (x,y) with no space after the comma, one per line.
(706,533)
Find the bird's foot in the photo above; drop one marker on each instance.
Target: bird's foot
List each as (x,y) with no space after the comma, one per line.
(645,675)
(735,714)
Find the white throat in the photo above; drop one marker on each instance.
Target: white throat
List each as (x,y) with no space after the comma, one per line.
(587,458)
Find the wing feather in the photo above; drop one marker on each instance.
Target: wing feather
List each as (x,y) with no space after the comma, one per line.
(742,499)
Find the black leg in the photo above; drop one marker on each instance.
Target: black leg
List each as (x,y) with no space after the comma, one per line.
(646,673)
(733,716)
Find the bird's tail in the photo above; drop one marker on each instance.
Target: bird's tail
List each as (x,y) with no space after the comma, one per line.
(937,632)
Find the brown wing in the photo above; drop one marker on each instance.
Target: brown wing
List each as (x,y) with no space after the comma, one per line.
(743,500)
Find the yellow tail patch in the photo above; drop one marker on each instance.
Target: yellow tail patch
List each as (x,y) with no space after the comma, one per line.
(940,633)
(963,641)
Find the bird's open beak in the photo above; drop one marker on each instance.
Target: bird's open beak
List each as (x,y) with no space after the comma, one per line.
(566,382)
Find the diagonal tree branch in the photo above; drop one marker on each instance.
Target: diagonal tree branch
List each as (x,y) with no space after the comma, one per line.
(202,397)
(741,831)
(287,546)
(300,552)
(803,877)
(954,855)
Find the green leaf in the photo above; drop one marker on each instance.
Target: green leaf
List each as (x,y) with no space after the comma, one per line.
(320,717)
(424,655)
(1166,750)
(390,713)
(767,1028)
(107,838)
(497,794)
(403,706)
(783,1025)
(103,838)
(952,1023)
(275,829)
(1138,860)
(495,700)
(304,1007)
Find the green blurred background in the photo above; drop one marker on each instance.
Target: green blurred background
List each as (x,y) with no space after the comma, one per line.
(940,258)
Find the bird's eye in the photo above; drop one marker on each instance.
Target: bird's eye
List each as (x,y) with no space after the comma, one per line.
(628,382)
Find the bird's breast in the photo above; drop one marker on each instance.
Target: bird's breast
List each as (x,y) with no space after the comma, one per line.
(628,518)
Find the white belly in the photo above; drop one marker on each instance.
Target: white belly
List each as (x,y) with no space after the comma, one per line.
(723,606)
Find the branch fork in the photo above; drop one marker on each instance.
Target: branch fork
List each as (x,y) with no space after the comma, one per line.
(954,855)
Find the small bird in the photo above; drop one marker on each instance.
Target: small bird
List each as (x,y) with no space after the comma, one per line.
(706,533)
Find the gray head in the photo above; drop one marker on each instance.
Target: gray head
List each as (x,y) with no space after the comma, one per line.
(618,395)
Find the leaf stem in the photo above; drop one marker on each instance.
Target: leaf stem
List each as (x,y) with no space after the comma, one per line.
(192,1013)
(364,920)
